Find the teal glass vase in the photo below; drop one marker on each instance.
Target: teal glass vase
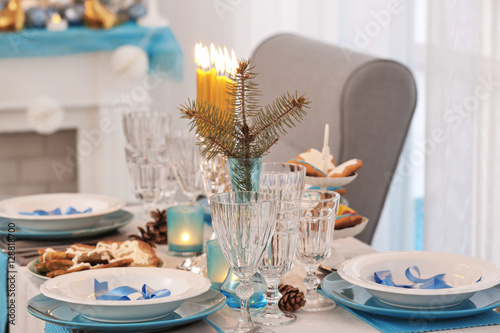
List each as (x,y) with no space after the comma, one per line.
(245,176)
(245,173)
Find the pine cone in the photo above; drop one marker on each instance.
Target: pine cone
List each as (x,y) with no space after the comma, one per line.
(156,231)
(292,298)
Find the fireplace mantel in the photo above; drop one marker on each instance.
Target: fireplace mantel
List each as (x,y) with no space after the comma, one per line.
(92,97)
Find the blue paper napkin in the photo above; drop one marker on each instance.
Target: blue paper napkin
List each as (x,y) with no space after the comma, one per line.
(51,328)
(388,324)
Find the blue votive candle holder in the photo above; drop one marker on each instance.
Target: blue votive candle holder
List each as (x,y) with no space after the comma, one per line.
(185,230)
(217,266)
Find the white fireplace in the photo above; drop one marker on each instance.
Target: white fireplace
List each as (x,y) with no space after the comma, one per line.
(92,97)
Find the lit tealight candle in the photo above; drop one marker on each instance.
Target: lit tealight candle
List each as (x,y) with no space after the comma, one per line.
(185,230)
(57,23)
(217,266)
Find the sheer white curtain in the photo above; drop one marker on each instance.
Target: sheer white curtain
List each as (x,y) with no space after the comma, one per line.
(463,86)
(487,139)
(451,78)
(450,46)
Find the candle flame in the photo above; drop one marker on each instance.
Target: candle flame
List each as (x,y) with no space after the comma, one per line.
(201,56)
(213,54)
(216,58)
(185,237)
(56,18)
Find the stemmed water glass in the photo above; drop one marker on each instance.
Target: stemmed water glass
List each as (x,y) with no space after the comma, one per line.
(185,162)
(244,223)
(286,181)
(277,260)
(316,227)
(146,153)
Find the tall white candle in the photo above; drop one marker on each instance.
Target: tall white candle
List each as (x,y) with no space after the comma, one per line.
(326,148)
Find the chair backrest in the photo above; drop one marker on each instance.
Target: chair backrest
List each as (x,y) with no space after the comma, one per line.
(368,102)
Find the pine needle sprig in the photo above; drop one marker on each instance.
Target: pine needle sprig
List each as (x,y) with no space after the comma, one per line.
(243,129)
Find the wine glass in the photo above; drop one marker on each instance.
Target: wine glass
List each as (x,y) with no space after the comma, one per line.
(244,223)
(316,227)
(277,260)
(286,181)
(185,161)
(215,173)
(146,154)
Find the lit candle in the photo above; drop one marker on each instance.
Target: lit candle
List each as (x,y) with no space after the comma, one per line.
(220,83)
(202,73)
(211,79)
(217,266)
(56,23)
(185,230)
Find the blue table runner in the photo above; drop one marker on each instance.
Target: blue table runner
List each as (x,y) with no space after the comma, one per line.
(163,50)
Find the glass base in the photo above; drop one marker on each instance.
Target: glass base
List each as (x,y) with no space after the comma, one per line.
(277,319)
(245,330)
(315,303)
(184,254)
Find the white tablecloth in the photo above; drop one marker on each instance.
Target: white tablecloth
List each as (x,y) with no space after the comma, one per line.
(335,320)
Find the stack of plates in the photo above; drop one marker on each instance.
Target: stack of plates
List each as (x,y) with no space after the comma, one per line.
(105,215)
(474,285)
(69,300)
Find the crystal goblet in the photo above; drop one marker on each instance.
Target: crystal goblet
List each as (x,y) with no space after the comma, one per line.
(185,162)
(244,223)
(286,181)
(277,260)
(147,155)
(215,173)
(316,227)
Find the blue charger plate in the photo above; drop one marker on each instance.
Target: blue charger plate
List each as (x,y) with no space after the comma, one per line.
(352,296)
(108,223)
(191,310)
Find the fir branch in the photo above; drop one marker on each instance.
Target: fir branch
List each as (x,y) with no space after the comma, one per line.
(243,129)
(281,114)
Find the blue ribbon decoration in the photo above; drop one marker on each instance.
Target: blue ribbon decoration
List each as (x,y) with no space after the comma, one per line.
(69,211)
(329,188)
(121,293)
(435,282)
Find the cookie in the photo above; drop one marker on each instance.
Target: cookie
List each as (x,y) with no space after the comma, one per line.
(347,217)
(346,169)
(313,162)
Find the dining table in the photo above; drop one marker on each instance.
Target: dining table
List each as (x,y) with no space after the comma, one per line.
(339,319)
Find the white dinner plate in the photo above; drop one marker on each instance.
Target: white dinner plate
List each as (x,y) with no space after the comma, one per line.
(100,205)
(355,297)
(60,313)
(466,275)
(107,223)
(77,290)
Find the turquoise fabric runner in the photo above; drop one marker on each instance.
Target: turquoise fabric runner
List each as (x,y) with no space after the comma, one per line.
(3,290)
(164,52)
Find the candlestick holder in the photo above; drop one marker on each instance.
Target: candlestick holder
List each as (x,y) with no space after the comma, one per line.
(185,230)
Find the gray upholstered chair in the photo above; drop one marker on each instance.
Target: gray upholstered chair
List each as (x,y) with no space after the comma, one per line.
(368,102)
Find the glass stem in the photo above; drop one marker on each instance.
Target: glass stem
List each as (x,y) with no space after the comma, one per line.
(272,296)
(311,281)
(244,291)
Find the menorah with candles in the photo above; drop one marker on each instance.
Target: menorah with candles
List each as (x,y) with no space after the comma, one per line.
(212,74)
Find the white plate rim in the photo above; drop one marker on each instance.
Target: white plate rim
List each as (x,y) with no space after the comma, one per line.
(124,218)
(200,284)
(351,231)
(31,267)
(114,204)
(409,291)
(330,181)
